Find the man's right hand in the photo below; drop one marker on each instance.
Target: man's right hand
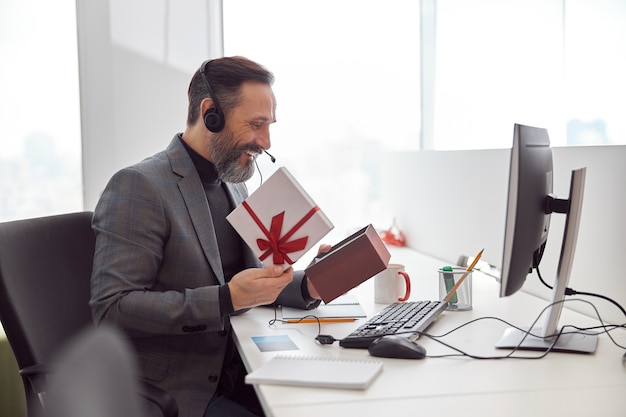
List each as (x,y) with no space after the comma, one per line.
(258,286)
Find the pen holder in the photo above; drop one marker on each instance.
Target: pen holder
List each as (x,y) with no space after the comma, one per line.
(461,299)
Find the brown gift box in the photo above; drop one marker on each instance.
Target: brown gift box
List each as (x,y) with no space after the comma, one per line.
(348,263)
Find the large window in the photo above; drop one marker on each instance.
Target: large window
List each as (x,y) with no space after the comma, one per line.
(557,64)
(497,63)
(595,64)
(355,78)
(347,86)
(40,149)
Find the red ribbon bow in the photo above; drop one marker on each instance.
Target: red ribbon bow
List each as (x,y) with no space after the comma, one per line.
(274,243)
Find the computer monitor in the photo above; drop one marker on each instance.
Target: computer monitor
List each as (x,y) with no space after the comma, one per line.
(530,203)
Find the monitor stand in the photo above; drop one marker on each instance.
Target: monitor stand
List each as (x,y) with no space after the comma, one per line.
(568,342)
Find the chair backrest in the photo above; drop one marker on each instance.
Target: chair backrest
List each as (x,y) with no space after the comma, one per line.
(45,270)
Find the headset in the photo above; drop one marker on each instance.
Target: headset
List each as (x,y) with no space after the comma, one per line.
(214,116)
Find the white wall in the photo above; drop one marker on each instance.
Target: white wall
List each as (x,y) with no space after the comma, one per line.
(452,203)
(136,59)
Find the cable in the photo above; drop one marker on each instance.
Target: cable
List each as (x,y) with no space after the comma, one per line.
(260,175)
(541,278)
(308,316)
(323,339)
(510,355)
(571,291)
(607,328)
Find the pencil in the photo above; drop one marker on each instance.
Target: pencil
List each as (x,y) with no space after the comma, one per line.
(467,271)
(326,320)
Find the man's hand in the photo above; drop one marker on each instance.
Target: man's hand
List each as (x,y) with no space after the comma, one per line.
(312,291)
(310,287)
(258,286)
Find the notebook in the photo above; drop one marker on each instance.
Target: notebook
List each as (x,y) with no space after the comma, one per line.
(310,371)
(345,306)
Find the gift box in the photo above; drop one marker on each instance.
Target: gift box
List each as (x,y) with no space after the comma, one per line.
(348,263)
(280,221)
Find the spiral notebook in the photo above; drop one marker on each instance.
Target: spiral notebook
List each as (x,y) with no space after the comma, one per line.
(307,371)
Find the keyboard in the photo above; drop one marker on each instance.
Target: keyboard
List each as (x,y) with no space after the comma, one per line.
(397,318)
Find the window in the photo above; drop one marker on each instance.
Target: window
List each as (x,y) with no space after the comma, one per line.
(498,63)
(40,156)
(347,87)
(595,64)
(349,79)
(557,64)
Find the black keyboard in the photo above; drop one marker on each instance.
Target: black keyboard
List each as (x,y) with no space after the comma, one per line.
(397,318)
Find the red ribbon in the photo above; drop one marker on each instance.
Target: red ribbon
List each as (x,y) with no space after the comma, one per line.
(274,243)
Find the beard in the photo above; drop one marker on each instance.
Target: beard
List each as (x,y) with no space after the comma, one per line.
(227,158)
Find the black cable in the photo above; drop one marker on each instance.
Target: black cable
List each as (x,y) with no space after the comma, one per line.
(527,333)
(308,316)
(541,278)
(571,291)
(574,292)
(323,339)
(607,328)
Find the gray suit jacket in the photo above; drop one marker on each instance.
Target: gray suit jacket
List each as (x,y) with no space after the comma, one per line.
(157,271)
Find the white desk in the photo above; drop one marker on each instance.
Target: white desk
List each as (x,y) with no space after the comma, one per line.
(566,384)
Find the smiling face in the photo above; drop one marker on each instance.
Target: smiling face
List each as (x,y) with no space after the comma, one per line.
(246,133)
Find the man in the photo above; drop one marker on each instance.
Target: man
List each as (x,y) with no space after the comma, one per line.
(168,267)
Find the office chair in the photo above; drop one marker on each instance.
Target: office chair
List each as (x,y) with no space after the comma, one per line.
(45,273)
(94,376)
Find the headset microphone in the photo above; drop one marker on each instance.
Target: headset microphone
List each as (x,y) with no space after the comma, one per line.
(271,157)
(257,165)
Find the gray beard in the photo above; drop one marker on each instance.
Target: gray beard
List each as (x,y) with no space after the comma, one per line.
(226,159)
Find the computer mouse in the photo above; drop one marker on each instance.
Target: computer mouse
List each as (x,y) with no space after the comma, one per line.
(395,346)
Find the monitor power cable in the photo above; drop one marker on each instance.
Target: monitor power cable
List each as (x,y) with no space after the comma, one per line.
(571,291)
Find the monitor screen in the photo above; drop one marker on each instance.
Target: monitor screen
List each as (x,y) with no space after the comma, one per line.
(527,220)
(530,203)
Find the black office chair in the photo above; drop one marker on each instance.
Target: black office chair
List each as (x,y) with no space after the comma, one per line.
(45,271)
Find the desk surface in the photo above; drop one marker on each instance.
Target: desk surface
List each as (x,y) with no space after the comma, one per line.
(565,383)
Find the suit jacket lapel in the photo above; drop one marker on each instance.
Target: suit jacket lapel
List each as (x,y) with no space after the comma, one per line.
(194,198)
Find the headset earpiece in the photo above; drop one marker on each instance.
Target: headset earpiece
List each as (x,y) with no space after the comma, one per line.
(213,117)
(213,120)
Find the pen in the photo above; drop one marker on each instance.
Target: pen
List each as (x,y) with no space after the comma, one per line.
(326,320)
(467,271)
(448,279)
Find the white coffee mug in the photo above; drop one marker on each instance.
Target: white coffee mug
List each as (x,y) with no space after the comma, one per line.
(392,285)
